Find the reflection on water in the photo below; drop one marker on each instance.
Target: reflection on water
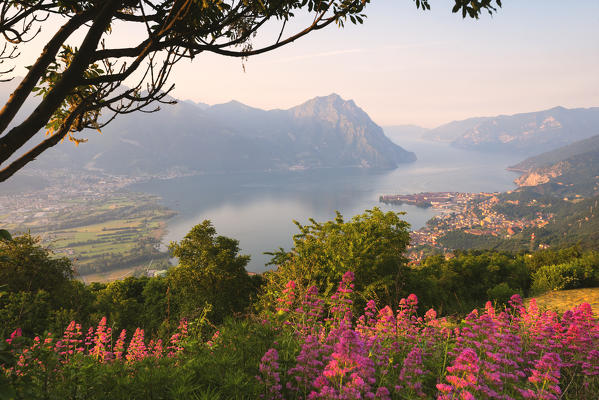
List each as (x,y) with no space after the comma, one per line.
(258,209)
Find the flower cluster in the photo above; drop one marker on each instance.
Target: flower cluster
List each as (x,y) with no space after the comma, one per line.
(178,339)
(515,353)
(324,351)
(269,375)
(98,344)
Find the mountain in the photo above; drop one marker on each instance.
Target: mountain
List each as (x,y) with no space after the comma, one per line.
(526,133)
(452,130)
(338,132)
(323,132)
(533,132)
(567,171)
(557,155)
(199,104)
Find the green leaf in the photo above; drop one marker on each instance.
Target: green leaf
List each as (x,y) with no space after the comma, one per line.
(5,235)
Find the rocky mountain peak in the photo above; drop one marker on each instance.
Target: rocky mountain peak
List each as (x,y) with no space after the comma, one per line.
(332,108)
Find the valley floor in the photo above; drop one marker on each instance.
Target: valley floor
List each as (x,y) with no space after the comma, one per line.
(107,231)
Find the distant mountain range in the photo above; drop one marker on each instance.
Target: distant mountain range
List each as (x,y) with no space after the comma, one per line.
(527,133)
(324,132)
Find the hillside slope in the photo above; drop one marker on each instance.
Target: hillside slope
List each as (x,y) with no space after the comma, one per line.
(557,155)
(531,133)
(567,171)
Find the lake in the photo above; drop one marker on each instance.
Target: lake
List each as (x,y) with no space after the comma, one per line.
(258,208)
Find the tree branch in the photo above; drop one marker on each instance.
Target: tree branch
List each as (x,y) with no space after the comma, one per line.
(31,155)
(20,134)
(18,97)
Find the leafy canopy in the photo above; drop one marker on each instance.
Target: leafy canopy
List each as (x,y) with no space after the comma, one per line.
(211,273)
(371,245)
(25,266)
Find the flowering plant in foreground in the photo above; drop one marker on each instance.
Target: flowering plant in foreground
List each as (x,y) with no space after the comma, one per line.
(316,348)
(515,353)
(51,354)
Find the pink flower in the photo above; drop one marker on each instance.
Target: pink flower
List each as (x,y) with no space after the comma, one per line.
(269,375)
(137,350)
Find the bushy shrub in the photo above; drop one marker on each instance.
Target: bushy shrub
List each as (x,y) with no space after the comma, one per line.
(466,281)
(371,245)
(571,275)
(516,352)
(500,293)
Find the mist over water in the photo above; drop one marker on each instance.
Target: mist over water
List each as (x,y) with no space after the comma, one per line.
(258,208)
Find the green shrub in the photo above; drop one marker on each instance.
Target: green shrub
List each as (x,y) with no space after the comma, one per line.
(501,293)
(558,277)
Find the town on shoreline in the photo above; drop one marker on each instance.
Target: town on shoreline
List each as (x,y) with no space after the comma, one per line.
(472,213)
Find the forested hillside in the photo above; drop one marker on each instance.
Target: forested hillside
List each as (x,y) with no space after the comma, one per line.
(559,154)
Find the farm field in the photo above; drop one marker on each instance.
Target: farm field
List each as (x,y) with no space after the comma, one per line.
(116,232)
(109,276)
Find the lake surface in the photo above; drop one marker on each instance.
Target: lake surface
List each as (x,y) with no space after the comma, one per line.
(258,208)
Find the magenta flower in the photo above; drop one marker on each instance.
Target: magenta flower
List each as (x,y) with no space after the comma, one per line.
(137,350)
(463,377)
(269,375)
(101,340)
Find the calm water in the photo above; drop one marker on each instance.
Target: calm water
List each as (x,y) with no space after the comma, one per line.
(258,209)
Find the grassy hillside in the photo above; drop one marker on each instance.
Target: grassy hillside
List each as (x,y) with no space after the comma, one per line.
(562,300)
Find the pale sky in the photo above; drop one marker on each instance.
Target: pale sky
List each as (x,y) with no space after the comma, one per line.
(405,66)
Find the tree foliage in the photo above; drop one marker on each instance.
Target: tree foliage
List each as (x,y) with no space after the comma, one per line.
(25,266)
(81,84)
(211,273)
(371,245)
(35,287)
(462,283)
(576,273)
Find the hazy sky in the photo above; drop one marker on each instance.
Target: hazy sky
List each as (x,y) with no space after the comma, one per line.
(405,66)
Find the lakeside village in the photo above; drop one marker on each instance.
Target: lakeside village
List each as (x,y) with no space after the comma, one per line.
(59,189)
(91,218)
(473,213)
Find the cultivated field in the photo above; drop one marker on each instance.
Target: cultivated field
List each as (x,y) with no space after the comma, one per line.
(106,238)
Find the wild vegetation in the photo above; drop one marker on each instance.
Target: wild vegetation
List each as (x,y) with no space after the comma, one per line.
(296,332)
(315,347)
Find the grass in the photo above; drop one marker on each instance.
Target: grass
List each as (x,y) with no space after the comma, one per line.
(116,236)
(563,300)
